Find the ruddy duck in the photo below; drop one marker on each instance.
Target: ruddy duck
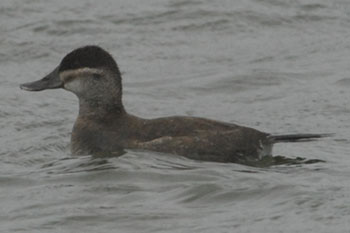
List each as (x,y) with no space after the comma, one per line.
(103,125)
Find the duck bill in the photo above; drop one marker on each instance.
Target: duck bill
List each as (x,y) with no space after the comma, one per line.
(50,81)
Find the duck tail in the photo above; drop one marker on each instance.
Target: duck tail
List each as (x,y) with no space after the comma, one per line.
(297,137)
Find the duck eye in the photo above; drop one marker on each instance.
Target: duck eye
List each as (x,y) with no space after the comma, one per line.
(96,77)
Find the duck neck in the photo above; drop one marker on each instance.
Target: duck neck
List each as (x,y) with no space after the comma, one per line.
(100,108)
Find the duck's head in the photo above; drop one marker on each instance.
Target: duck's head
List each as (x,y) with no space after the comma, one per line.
(89,72)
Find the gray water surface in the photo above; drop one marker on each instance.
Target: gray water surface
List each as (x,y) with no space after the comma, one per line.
(281,66)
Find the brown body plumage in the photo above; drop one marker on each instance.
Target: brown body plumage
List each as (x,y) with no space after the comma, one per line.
(103,125)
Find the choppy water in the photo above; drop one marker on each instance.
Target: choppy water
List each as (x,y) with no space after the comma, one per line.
(281,66)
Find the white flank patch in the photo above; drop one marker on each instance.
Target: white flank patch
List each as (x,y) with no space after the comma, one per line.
(264,150)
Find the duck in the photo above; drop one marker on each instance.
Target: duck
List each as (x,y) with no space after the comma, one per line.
(103,126)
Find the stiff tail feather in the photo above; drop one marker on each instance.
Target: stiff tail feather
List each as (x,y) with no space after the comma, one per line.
(297,137)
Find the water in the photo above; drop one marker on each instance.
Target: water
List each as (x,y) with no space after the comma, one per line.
(276,65)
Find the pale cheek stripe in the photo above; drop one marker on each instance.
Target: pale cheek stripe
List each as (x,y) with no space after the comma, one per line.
(70,74)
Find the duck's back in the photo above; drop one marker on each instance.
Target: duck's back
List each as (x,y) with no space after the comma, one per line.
(196,138)
(203,139)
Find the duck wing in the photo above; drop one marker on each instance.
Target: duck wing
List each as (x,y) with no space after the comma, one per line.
(220,146)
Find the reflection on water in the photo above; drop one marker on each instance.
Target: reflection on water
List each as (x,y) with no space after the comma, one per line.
(269,161)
